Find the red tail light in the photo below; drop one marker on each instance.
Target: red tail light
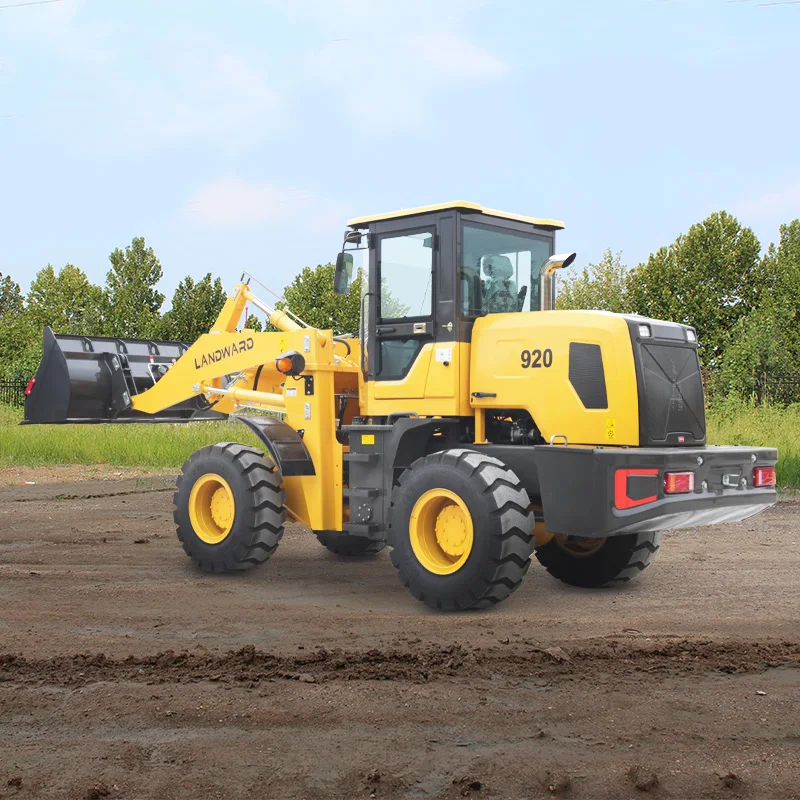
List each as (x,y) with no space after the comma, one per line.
(648,480)
(29,387)
(764,476)
(678,482)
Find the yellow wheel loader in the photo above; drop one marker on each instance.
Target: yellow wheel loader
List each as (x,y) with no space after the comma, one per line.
(466,424)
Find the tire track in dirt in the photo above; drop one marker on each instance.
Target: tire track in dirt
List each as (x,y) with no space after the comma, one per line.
(249,665)
(87,496)
(82,490)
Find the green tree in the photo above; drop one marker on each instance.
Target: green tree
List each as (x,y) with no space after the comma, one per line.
(767,341)
(66,301)
(711,278)
(11,302)
(195,308)
(781,276)
(16,332)
(390,306)
(760,345)
(311,297)
(132,301)
(253,323)
(601,286)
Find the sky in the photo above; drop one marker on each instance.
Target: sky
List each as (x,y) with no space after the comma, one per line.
(243,134)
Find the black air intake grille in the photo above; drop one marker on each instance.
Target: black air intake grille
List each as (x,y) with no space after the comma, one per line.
(586,374)
(671,395)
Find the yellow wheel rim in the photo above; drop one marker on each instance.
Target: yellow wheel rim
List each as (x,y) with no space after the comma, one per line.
(211,508)
(441,532)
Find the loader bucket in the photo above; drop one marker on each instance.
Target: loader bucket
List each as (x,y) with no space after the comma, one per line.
(92,379)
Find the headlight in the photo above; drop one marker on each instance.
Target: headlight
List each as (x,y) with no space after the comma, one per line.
(691,336)
(644,330)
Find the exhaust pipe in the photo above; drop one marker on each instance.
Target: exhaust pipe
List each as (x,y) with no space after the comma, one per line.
(547,279)
(91,379)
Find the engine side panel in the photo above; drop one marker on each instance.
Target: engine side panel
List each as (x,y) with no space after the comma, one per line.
(524,361)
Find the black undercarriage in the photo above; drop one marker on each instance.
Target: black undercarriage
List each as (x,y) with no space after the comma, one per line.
(575,487)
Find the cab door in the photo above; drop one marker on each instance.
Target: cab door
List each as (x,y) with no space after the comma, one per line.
(402,289)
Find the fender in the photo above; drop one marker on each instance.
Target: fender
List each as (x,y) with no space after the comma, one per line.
(283,444)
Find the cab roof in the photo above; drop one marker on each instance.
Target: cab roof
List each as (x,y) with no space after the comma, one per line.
(463,205)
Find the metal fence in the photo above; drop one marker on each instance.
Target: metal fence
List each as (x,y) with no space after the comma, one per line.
(773,389)
(12,393)
(778,389)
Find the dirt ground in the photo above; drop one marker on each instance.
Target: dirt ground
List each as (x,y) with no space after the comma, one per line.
(126,674)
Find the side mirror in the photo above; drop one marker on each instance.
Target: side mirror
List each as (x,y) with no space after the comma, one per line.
(343,275)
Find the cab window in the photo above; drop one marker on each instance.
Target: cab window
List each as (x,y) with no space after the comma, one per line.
(406,276)
(405,298)
(499,270)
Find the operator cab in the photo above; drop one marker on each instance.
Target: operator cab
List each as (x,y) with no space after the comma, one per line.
(428,273)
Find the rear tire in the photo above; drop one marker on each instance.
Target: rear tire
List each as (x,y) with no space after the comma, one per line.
(592,563)
(229,508)
(461,530)
(344,544)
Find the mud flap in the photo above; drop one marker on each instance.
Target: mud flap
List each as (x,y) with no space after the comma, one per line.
(283,443)
(91,379)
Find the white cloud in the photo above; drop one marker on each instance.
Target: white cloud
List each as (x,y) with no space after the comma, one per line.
(378,16)
(177,87)
(8,67)
(389,84)
(452,56)
(203,91)
(386,60)
(232,202)
(782,205)
(60,27)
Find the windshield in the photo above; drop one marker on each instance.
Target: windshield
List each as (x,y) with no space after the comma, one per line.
(500,270)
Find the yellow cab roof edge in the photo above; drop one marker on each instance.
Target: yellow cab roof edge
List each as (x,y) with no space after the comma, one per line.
(359,222)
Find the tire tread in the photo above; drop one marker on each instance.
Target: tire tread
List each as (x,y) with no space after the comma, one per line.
(620,560)
(511,507)
(265,511)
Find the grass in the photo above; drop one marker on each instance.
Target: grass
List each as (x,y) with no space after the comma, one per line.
(168,446)
(158,446)
(737,423)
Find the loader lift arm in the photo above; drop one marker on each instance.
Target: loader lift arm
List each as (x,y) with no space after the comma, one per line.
(226,351)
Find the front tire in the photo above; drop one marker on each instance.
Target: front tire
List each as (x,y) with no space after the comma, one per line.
(592,563)
(229,508)
(461,530)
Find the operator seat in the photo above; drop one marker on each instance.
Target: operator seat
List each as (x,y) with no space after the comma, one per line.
(500,288)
